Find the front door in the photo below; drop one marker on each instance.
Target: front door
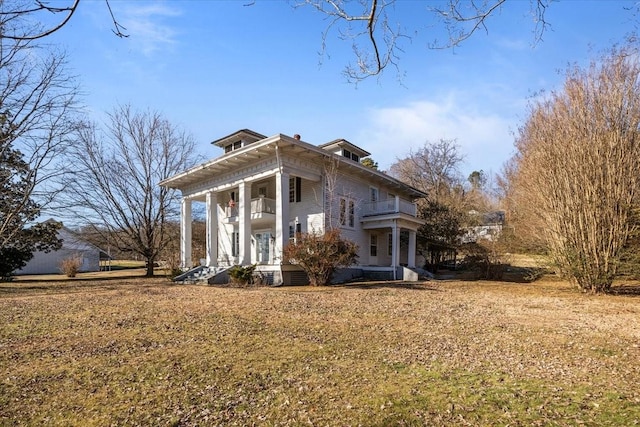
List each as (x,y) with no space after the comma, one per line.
(263,240)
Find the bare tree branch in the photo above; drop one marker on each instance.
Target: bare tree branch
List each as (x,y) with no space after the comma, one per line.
(463,18)
(31,27)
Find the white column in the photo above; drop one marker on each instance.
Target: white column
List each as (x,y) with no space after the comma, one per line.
(185,233)
(411,262)
(397,207)
(244,223)
(282,214)
(212,229)
(395,248)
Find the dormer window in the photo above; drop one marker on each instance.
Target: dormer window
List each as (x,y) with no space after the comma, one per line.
(349,155)
(232,147)
(345,149)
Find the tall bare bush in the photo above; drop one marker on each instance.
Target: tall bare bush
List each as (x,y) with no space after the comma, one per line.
(576,177)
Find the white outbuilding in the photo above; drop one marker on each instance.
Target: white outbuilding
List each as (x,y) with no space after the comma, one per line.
(72,246)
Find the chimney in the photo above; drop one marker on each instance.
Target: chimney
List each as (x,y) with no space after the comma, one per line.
(296,136)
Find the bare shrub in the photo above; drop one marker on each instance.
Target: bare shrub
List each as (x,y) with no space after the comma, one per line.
(71,266)
(576,176)
(320,255)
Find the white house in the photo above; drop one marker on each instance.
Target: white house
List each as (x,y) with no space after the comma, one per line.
(263,190)
(72,246)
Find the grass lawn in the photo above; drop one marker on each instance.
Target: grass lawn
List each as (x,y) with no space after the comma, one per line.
(144,352)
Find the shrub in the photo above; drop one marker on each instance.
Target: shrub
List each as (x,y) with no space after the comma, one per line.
(485,259)
(241,275)
(71,266)
(319,255)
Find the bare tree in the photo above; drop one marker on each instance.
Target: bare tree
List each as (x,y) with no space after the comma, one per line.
(38,108)
(576,167)
(115,190)
(434,169)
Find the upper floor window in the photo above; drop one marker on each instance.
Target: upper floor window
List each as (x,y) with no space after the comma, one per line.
(374,194)
(295,189)
(349,155)
(347,212)
(232,147)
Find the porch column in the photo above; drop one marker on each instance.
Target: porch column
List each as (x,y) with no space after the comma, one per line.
(244,223)
(411,261)
(212,229)
(282,214)
(395,248)
(185,234)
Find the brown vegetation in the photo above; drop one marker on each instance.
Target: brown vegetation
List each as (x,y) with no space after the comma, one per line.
(143,352)
(574,178)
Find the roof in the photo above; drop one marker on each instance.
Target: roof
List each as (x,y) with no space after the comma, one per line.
(283,143)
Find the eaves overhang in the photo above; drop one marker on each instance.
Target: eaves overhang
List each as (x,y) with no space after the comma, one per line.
(278,145)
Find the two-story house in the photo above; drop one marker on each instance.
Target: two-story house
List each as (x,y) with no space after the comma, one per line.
(264,190)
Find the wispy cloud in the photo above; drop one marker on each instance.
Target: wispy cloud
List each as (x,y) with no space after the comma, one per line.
(485,139)
(147,28)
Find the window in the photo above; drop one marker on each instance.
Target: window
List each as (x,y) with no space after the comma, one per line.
(235,243)
(231,147)
(352,214)
(355,157)
(374,194)
(347,213)
(295,189)
(346,153)
(390,245)
(262,191)
(373,245)
(294,228)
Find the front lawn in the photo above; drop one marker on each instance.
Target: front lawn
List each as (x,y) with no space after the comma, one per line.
(145,352)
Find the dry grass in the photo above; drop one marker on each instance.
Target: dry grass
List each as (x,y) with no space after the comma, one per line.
(144,352)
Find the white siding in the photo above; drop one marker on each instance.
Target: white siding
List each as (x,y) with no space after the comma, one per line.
(49,263)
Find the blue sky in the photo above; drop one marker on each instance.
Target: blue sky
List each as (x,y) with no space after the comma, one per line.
(213,67)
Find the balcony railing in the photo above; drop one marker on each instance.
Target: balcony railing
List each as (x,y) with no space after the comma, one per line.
(389,206)
(258,206)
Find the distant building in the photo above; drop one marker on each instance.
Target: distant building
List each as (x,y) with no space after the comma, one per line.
(72,246)
(489,228)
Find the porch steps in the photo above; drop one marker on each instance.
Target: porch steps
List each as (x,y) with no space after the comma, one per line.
(200,274)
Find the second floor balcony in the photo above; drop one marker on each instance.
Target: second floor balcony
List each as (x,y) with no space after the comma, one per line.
(391,206)
(261,207)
